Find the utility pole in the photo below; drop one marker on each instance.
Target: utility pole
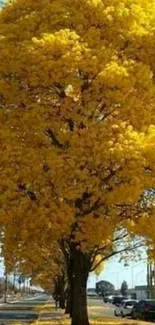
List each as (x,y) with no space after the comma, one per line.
(5,287)
(151,280)
(132,275)
(153,275)
(28,285)
(14,281)
(117,280)
(24,285)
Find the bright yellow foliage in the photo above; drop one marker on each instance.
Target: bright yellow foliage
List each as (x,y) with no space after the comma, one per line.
(77,116)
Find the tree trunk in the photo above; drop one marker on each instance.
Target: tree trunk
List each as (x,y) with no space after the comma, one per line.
(70,287)
(68,302)
(62,302)
(59,291)
(78,266)
(62,292)
(80,276)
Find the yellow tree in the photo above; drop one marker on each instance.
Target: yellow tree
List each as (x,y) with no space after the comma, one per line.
(77,127)
(46,267)
(45,264)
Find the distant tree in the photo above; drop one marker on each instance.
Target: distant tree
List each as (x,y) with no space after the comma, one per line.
(104,288)
(124,288)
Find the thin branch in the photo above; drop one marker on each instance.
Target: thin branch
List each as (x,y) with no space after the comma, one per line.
(115,253)
(86,81)
(54,139)
(70,124)
(31,194)
(60,90)
(120,237)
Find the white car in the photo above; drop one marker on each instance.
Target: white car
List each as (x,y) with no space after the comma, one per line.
(125,308)
(118,306)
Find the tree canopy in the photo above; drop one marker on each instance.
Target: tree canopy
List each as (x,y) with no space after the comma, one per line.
(77,122)
(77,114)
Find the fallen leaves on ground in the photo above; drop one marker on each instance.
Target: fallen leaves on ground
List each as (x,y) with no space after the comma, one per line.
(45,308)
(92,322)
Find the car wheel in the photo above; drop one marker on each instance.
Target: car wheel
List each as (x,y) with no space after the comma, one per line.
(122,314)
(115,314)
(133,315)
(143,316)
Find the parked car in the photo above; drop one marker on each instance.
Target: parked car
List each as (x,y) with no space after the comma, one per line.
(108,299)
(144,309)
(117,300)
(127,307)
(118,308)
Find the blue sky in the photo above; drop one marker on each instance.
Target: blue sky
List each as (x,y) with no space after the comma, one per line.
(116,273)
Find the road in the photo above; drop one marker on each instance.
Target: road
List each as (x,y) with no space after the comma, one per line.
(22,311)
(97,308)
(42,308)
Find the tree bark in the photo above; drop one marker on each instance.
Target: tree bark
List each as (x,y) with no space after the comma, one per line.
(69,304)
(79,297)
(78,266)
(68,301)
(62,302)
(60,290)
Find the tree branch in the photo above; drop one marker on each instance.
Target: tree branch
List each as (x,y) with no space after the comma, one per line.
(60,90)
(70,124)
(54,139)
(116,253)
(32,195)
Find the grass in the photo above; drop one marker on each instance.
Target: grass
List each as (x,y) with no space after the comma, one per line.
(45,308)
(94,319)
(99,321)
(92,322)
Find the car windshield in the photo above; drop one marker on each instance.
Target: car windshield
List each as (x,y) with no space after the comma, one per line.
(150,302)
(118,299)
(130,303)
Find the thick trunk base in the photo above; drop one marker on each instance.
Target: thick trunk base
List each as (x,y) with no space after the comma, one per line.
(79,280)
(80,320)
(68,303)
(62,303)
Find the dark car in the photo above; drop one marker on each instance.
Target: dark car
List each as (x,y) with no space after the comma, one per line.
(108,299)
(144,309)
(117,300)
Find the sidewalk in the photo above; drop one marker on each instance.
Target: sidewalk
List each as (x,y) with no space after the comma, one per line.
(48,312)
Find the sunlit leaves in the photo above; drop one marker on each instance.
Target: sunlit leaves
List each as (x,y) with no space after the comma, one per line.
(77,101)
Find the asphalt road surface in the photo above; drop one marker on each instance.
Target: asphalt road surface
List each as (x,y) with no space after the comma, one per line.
(22,311)
(27,311)
(97,308)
